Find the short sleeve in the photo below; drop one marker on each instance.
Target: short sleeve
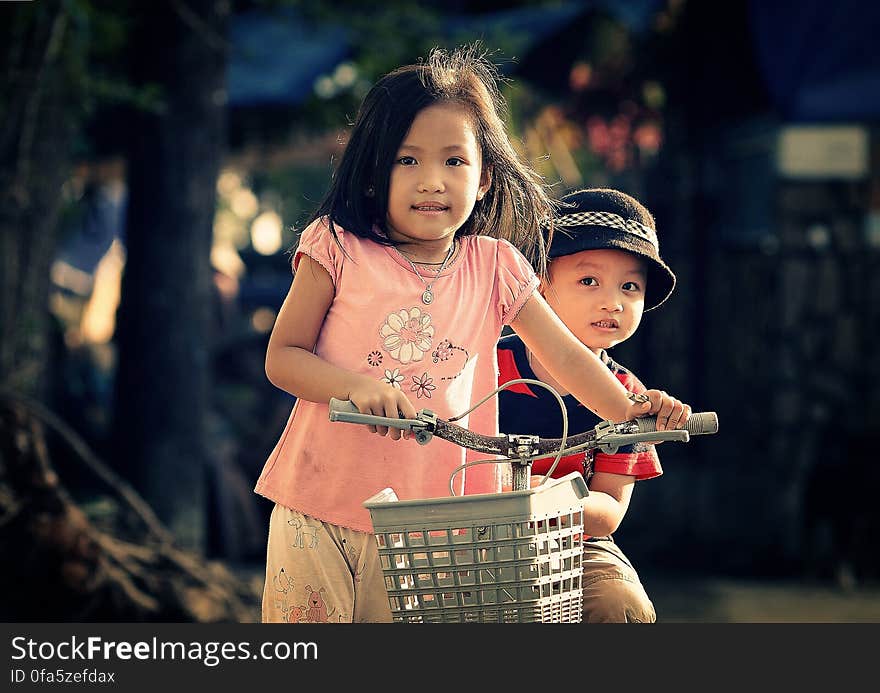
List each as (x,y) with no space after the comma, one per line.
(318,243)
(641,462)
(640,459)
(631,383)
(516,280)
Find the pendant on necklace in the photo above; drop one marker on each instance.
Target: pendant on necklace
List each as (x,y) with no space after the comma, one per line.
(428,297)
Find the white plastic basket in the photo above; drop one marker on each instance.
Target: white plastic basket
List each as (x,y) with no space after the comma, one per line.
(510,557)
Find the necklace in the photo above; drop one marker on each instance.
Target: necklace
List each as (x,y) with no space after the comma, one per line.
(428,294)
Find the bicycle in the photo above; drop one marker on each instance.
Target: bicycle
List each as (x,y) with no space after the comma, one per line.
(510,557)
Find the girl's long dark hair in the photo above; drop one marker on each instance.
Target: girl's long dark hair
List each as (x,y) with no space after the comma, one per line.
(517,205)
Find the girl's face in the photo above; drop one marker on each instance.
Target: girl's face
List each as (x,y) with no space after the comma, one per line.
(599,294)
(436,179)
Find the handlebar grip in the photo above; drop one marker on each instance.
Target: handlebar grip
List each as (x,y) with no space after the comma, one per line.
(699,423)
(345,411)
(342,406)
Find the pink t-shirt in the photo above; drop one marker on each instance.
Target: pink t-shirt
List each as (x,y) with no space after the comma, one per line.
(441,355)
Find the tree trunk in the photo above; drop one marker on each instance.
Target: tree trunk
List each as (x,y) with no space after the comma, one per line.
(38,112)
(162,385)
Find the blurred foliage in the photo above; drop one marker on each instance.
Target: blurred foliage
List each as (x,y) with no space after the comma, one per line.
(604,87)
(387,34)
(310,182)
(601,96)
(94,59)
(597,86)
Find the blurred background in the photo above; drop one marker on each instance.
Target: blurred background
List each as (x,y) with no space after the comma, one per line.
(159,159)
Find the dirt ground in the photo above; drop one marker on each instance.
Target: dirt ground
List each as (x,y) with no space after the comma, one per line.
(729,600)
(697,599)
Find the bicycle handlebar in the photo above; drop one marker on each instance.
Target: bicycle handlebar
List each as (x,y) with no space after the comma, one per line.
(607,435)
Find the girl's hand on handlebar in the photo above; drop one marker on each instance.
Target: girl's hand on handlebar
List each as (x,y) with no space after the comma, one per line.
(671,412)
(379,399)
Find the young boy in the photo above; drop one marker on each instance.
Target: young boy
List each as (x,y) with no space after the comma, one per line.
(605,270)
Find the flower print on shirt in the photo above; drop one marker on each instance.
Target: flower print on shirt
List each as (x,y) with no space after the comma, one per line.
(450,358)
(423,385)
(444,351)
(407,334)
(374,358)
(393,378)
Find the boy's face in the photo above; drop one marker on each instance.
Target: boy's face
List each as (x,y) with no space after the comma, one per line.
(599,294)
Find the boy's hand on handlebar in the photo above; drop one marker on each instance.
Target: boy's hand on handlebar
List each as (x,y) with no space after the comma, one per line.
(670,412)
(379,399)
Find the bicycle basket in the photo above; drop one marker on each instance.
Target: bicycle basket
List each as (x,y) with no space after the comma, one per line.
(510,557)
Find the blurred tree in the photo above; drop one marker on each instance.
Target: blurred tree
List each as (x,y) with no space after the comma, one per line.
(163,373)
(62,59)
(41,85)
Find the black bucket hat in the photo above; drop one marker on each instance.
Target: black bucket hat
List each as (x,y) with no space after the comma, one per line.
(604,218)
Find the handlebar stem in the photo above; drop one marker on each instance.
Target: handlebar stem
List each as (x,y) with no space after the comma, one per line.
(523,447)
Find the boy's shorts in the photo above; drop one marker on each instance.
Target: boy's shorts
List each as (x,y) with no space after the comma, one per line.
(613,592)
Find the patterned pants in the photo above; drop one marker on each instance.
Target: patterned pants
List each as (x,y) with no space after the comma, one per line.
(320,573)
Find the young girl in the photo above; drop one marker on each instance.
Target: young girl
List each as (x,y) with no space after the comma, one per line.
(403,282)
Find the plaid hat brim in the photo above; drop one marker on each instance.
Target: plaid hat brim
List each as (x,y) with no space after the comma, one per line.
(579,231)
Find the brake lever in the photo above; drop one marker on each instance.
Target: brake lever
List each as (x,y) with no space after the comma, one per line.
(612,441)
(608,440)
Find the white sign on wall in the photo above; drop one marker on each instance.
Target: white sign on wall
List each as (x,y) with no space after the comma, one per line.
(823,152)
